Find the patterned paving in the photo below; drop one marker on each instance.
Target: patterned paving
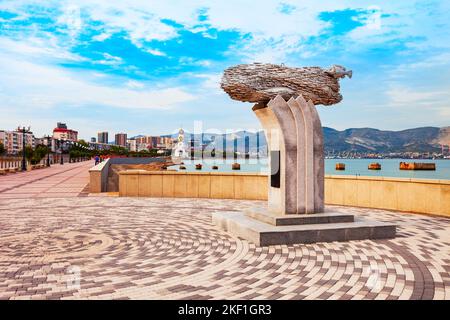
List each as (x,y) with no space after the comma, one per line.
(118,248)
(67,180)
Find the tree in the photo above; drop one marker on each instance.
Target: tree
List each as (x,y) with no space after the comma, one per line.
(117,150)
(2,149)
(29,152)
(40,152)
(83,143)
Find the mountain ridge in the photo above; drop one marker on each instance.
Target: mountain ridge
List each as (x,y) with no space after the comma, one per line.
(362,140)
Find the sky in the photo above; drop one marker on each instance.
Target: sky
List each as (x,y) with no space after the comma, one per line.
(149,67)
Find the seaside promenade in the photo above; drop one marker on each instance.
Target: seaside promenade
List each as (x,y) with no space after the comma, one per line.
(68,180)
(59,242)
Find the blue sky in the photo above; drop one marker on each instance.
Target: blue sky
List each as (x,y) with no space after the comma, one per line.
(147,67)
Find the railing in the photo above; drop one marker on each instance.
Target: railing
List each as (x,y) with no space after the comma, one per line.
(14,164)
(10,164)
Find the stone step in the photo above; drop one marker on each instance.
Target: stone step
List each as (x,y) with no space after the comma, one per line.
(263,215)
(264,234)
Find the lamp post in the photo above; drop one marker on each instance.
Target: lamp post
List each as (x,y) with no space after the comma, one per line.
(48,150)
(24,160)
(61,160)
(71,145)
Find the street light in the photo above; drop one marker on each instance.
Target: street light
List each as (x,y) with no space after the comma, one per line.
(24,131)
(61,152)
(48,150)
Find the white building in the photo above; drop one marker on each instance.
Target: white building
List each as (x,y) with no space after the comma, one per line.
(132,145)
(179,150)
(61,132)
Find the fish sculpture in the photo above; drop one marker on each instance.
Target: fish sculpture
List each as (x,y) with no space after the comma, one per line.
(260,82)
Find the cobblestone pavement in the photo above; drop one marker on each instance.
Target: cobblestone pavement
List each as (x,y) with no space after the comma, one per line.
(116,248)
(67,180)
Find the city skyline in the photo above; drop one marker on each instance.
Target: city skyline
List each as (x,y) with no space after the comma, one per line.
(151,68)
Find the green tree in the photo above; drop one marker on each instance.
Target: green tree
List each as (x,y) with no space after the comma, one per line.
(83,143)
(117,150)
(29,152)
(40,151)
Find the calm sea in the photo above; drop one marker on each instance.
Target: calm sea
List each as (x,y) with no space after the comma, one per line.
(389,167)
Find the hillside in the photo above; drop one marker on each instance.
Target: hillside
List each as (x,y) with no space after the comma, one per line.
(425,139)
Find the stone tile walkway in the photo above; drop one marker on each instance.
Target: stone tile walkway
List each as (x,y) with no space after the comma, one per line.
(118,248)
(67,180)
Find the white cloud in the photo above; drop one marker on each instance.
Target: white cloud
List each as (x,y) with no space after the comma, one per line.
(156,52)
(102,36)
(273,36)
(420,84)
(274,32)
(29,85)
(211,81)
(110,60)
(194,62)
(402,96)
(134,84)
(37,48)
(71,18)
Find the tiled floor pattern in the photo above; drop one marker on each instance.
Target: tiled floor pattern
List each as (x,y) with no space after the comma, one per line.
(66,180)
(116,248)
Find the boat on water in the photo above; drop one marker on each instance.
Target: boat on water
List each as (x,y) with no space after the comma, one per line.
(417,166)
(340,166)
(374,166)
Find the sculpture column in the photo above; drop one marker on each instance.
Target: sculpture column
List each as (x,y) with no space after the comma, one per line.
(285,105)
(295,139)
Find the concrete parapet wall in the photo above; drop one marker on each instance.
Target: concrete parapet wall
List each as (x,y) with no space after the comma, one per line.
(225,185)
(402,194)
(135,160)
(98,177)
(411,195)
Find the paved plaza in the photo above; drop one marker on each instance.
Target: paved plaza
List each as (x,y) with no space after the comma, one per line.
(59,243)
(67,180)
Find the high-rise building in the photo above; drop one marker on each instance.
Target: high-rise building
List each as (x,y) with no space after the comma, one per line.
(121,139)
(103,137)
(152,142)
(167,142)
(61,132)
(13,140)
(156,141)
(93,139)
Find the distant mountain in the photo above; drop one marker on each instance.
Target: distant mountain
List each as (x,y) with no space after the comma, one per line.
(426,139)
(362,140)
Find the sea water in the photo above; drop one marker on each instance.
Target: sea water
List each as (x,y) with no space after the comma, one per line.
(353,167)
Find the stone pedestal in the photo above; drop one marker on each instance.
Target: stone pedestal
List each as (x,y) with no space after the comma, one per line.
(295,210)
(263,228)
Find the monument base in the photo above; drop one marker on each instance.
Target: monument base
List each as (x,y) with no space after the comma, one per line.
(262,228)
